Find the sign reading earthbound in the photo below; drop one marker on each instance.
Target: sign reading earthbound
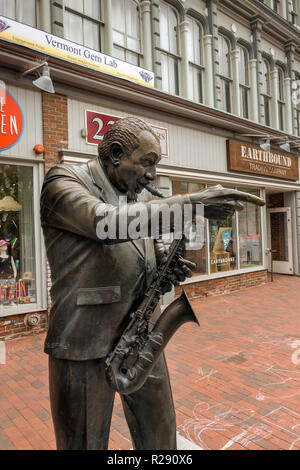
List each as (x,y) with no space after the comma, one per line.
(49,44)
(249,158)
(97,124)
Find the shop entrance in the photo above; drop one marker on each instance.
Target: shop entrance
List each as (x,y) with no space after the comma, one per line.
(280,239)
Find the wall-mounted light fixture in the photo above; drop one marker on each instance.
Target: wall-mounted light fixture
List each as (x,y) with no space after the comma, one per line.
(43,82)
(266,146)
(286,145)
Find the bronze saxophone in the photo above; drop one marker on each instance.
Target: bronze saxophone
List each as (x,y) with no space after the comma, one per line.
(132,360)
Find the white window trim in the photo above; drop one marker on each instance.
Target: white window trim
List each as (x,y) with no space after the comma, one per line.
(235,272)
(40,258)
(138,53)
(238,270)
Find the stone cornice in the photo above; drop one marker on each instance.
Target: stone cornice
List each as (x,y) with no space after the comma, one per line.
(88,82)
(260,16)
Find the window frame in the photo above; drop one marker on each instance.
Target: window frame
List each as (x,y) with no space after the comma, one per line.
(40,254)
(195,67)
(281,102)
(297,108)
(244,88)
(83,16)
(267,97)
(275,6)
(16,17)
(173,56)
(138,54)
(238,270)
(293,12)
(226,80)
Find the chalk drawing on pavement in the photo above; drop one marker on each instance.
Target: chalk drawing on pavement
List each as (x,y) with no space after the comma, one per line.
(286,384)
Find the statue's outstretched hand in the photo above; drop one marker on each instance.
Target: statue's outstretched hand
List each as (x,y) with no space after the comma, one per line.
(219,202)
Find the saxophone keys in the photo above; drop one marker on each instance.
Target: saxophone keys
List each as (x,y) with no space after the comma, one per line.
(156,341)
(145,359)
(131,374)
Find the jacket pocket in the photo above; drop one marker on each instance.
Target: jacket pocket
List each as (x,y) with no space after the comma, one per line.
(98,295)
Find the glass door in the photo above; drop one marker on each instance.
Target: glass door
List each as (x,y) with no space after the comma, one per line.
(280,240)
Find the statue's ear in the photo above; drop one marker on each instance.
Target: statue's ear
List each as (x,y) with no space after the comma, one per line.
(116,152)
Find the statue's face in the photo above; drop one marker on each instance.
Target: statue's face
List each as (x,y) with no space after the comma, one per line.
(132,168)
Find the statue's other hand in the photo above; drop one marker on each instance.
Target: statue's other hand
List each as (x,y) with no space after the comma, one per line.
(222,210)
(180,271)
(219,202)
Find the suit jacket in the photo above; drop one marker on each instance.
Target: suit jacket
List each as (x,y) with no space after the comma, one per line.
(95,285)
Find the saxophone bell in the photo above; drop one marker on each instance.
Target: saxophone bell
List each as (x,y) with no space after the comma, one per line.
(127,379)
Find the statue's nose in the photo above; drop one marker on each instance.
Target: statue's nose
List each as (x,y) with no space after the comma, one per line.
(149,176)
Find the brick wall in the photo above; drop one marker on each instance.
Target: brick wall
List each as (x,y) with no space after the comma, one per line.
(13,327)
(223,285)
(55,131)
(55,126)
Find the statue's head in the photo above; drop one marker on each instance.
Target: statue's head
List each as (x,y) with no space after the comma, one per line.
(130,151)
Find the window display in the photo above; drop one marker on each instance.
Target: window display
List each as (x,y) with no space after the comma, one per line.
(17,251)
(234,243)
(250,233)
(197,256)
(222,245)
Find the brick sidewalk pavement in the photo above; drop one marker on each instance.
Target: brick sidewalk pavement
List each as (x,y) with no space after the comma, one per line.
(236,379)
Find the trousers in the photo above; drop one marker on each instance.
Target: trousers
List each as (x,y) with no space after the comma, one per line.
(82,404)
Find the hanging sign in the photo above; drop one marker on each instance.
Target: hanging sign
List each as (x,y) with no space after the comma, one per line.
(11,120)
(248,158)
(55,46)
(97,124)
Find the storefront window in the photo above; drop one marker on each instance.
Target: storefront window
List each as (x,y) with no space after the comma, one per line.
(234,243)
(222,245)
(17,250)
(250,233)
(198,255)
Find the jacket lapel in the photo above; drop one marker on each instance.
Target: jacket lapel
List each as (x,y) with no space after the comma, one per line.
(110,195)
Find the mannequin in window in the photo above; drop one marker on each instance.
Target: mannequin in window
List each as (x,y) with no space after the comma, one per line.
(7,265)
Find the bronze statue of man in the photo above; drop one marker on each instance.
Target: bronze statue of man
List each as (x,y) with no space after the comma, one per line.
(97,283)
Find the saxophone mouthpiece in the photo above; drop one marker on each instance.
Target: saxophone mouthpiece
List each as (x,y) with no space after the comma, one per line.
(153,190)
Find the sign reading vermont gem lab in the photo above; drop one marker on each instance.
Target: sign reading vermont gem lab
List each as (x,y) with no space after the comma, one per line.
(11,120)
(248,158)
(49,44)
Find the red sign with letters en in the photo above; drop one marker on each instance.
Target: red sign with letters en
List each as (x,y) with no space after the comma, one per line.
(11,120)
(97,124)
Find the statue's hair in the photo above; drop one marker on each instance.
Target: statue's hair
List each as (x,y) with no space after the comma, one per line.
(125,132)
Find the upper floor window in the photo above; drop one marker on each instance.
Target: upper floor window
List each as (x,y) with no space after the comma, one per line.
(196,60)
(20,10)
(82,21)
(266,90)
(168,28)
(297,112)
(126,30)
(244,82)
(298,120)
(225,72)
(281,97)
(275,5)
(293,10)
